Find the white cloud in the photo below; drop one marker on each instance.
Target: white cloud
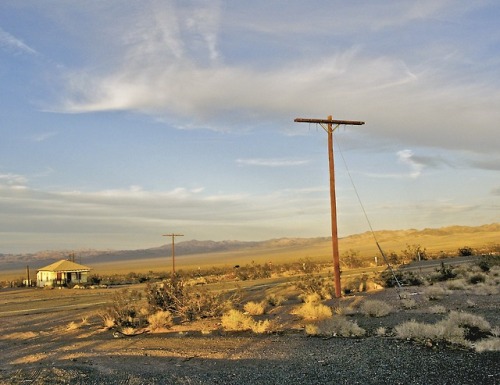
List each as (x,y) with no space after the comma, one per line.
(12,43)
(407,157)
(13,181)
(43,136)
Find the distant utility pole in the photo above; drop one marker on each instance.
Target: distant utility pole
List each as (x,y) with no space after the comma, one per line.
(333,202)
(173,249)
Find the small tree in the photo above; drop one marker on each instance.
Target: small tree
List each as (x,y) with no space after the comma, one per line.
(465,251)
(414,253)
(352,259)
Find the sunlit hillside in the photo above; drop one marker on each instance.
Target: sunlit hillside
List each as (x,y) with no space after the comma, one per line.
(204,254)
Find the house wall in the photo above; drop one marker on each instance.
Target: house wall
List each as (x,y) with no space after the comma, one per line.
(47,278)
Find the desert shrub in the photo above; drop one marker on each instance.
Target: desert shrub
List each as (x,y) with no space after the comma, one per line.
(434,293)
(265,326)
(310,297)
(408,303)
(94,279)
(444,273)
(465,251)
(352,260)
(188,302)
(414,253)
(405,278)
(313,311)
(310,284)
(456,284)
(339,327)
(160,320)
(275,300)
(235,320)
(311,329)
(108,321)
(125,310)
(255,308)
(72,326)
(375,308)
(458,328)
(344,310)
(488,345)
(483,289)
(484,266)
(255,271)
(470,304)
(437,309)
(476,278)
(381,331)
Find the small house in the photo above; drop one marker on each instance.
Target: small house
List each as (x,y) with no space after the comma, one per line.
(62,273)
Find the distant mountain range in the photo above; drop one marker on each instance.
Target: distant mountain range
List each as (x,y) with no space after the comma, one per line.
(42,258)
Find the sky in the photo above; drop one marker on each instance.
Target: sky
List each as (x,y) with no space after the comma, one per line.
(122,121)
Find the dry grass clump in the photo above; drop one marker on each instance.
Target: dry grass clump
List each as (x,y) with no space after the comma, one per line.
(381,331)
(344,310)
(313,311)
(476,277)
(434,293)
(488,345)
(74,325)
(484,289)
(375,308)
(335,327)
(408,303)
(108,321)
(456,284)
(235,320)
(275,300)
(160,320)
(255,308)
(437,309)
(458,328)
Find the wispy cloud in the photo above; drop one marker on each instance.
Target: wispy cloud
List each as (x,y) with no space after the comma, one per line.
(272,162)
(10,42)
(406,157)
(13,181)
(42,136)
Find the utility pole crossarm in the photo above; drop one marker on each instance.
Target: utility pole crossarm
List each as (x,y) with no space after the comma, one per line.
(326,121)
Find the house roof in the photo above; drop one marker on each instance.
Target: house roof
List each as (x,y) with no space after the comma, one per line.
(64,265)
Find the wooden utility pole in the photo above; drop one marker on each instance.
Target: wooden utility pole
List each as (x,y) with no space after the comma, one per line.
(333,201)
(173,249)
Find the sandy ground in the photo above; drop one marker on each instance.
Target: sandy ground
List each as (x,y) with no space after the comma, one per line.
(37,346)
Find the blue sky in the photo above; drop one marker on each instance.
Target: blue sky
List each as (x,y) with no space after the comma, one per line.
(121,121)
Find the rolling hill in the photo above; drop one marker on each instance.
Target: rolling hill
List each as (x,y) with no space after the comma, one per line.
(194,253)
